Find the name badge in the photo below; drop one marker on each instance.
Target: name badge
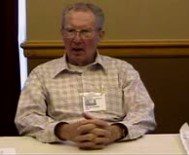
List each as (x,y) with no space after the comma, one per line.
(93,101)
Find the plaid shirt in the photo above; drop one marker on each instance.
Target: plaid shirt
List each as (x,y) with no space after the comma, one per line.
(52,94)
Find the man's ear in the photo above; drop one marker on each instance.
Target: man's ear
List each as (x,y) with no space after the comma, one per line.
(61,32)
(101,34)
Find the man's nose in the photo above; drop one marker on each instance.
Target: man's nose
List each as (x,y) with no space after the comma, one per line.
(77,37)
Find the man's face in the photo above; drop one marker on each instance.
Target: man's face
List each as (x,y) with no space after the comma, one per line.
(80,36)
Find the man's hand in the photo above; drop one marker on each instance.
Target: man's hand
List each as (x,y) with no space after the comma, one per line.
(71,131)
(90,133)
(104,133)
(100,135)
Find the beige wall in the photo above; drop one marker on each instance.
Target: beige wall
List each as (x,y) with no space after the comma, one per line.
(125,19)
(129,20)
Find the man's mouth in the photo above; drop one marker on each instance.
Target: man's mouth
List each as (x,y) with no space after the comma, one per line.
(77,49)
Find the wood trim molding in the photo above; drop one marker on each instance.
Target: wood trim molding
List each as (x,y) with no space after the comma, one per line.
(115,48)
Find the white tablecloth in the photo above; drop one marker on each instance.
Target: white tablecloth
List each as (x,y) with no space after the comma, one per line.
(148,144)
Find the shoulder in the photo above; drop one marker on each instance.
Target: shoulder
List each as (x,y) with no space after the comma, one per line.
(116,63)
(47,68)
(122,68)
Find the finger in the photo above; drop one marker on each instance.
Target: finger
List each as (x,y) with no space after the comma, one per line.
(85,138)
(88,116)
(100,123)
(90,146)
(86,128)
(101,141)
(101,132)
(82,122)
(92,119)
(85,145)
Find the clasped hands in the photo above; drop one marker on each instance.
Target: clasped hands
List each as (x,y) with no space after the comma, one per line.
(90,133)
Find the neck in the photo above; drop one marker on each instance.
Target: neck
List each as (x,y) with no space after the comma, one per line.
(81,62)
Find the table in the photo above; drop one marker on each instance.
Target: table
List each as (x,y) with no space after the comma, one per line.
(148,144)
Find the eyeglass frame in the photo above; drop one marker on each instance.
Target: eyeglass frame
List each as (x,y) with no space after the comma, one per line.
(82,33)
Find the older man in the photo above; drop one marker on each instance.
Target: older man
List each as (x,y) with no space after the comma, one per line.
(84,97)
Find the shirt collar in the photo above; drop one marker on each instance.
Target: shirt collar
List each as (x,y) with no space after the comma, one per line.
(59,67)
(99,62)
(62,65)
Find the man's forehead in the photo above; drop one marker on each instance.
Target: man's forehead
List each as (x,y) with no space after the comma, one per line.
(80,18)
(76,13)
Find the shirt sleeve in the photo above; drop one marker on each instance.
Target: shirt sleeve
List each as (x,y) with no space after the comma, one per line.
(138,105)
(31,117)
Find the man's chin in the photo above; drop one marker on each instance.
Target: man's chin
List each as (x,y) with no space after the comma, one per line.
(78,55)
(82,51)
(78,59)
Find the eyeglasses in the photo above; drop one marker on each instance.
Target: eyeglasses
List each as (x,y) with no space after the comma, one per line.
(84,34)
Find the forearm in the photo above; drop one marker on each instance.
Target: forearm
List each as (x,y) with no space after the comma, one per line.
(31,116)
(138,107)
(40,127)
(138,124)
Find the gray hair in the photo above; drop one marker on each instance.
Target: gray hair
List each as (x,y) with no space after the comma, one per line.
(97,11)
